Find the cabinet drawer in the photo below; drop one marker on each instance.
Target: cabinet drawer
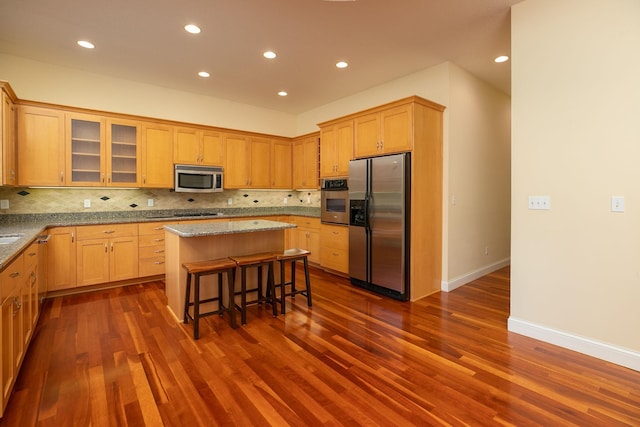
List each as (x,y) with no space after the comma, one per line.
(151,228)
(151,240)
(334,259)
(306,222)
(151,251)
(106,231)
(151,266)
(335,236)
(11,277)
(31,256)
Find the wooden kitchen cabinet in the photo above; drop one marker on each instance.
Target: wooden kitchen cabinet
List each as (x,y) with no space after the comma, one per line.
(198,147)
(306,236)
(384,132)
(248,162)
(151,248)
(12,286)
(336,148)
(334,247)
(102,151)
(61,258)
(8,113)
(41,146)
(156,158)
(305,161)
(281,164)
(106,253)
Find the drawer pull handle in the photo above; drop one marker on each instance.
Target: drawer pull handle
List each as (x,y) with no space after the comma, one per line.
(159,251)
(157,228)
(158,240)
(159,262)
(109,231)
(14,274)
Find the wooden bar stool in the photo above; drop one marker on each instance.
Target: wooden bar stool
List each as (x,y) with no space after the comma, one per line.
(259,261)
(203,268)
(293,255)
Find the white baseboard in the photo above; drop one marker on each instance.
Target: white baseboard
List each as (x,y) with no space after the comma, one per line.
(448,286)
(600,350)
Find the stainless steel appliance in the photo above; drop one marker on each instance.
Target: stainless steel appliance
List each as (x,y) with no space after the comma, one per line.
(379,209)
(334,201)
(198,179)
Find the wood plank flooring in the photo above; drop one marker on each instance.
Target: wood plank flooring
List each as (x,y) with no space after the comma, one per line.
(118,358)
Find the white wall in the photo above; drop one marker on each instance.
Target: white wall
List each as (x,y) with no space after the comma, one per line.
(479,144)
(576,137)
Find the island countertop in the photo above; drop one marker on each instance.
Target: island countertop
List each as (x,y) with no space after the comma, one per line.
(230,227)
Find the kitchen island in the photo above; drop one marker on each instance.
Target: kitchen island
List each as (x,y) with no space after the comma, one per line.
(203,241)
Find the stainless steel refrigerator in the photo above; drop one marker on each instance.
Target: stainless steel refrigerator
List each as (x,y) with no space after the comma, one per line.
(379,209)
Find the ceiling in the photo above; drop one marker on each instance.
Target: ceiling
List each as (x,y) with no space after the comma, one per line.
(144,40)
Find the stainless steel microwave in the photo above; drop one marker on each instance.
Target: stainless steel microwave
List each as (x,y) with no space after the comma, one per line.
(198,179)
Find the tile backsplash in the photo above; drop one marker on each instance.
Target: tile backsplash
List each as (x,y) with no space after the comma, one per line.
(54,200)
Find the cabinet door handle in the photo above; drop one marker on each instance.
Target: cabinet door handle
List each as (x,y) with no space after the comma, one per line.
(109,231)
(31,254)
(14,274)
(111,246)
(105,248)
(61,177)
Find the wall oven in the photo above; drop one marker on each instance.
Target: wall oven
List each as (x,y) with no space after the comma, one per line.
(334,202)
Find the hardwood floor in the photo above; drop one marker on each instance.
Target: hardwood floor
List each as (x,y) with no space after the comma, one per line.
(117,357)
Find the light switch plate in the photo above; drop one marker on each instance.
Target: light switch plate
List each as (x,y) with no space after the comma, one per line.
(617,203)
(540,203)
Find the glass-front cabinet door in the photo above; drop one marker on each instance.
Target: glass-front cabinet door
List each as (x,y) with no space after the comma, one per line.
(122,153)
(85,135)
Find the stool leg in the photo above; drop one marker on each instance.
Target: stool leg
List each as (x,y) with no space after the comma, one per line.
(232,304)
(221,306)
(283,286)
(260,295)
(187,297)
(271,289)
(293,278)
(243,296)
(196,308)
(307,280)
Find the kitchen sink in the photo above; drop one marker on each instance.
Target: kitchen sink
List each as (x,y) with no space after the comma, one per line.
(7,239)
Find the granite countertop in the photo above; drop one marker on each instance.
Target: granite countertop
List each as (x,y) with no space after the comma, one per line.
(30,226)
(231,227)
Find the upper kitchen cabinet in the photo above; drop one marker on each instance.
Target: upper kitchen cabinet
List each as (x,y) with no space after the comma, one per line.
(305,162)
(156,158)
(7,135)
(384,132)
(123,148)
(198,147)
(336,148)
(247,162)
(281,164)
(41,146)
(102,152)
(86,148)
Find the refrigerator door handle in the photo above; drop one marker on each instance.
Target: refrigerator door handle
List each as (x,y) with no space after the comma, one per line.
(367,197)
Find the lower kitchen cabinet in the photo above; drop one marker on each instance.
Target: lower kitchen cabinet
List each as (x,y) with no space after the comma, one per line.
(18,316)
(306,236)
(61,258)
(151,248)
(106,253)
(334,247)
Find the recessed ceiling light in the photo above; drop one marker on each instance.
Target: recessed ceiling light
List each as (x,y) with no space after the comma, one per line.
(204,74)
(191,28)
(342,64)
(85,44)
(501,58)
(269,54)
(282,93)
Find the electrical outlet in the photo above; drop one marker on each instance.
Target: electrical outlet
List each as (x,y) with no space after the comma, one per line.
(285,200)
(149,202)
(229,201)
(87,203)
(4,204)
